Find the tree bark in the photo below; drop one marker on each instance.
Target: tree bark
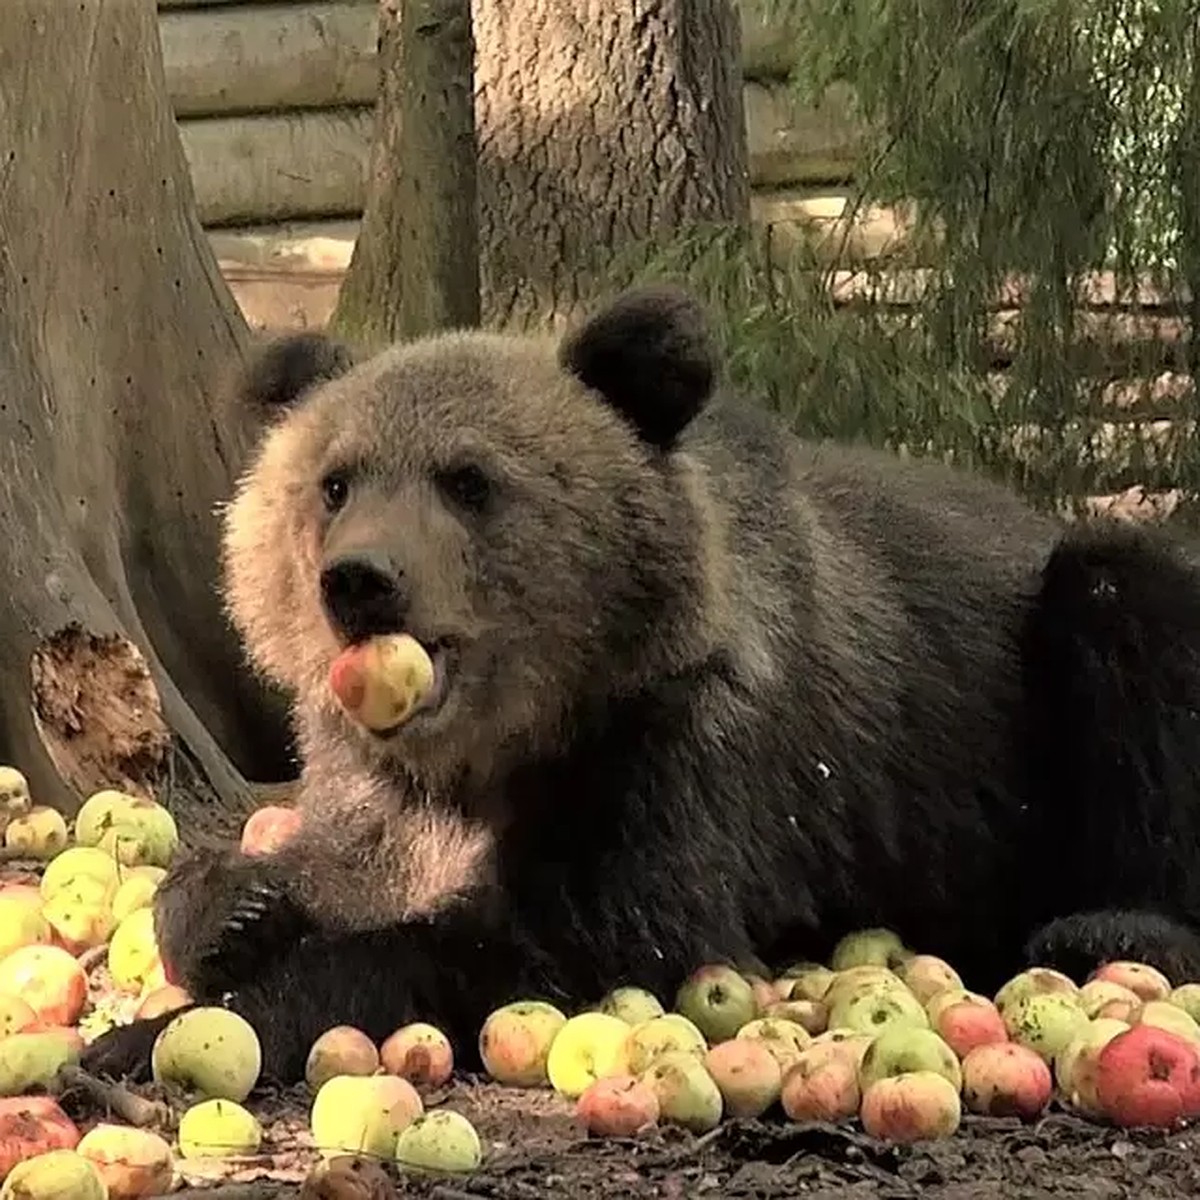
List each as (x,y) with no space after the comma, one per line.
(602,126)
(415,267)
(116,333)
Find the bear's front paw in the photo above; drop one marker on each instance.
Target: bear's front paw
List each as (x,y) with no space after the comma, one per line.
(124,1052)
(220,918)
(1079,943)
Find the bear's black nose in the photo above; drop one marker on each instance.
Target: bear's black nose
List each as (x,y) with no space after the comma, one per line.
(364,594)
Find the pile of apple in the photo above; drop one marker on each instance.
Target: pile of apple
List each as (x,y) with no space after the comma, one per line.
(93,899)
(882,1034)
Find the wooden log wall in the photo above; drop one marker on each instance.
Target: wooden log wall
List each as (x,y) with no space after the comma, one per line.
(273,99)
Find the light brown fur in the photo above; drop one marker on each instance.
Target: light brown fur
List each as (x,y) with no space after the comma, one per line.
(579,478)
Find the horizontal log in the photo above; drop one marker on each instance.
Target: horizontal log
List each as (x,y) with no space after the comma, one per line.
(304,246)
(792,141)
(768,41)
(260,57)
(276,168)
(828,225)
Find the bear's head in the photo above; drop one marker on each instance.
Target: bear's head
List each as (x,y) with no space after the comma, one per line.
(525,510)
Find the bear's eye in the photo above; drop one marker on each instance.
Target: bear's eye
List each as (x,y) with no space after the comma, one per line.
(466,485)
(335,490)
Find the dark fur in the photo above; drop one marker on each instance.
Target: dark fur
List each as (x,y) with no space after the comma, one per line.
(957,722)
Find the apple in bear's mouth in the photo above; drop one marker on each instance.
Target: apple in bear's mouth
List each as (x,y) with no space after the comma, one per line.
(388,680)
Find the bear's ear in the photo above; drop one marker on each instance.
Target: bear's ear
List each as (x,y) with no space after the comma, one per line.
(281,371)
(650,354)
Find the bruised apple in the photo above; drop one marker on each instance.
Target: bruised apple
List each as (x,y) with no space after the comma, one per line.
(821,1085)
(381,682)
(1145,981)
(1096,994)
(617,1107)
(877,1007)
(1148,1076)
(40,833)
(1004,1079)
(812,1014)
(132,1162)
(86,862)
(48,979)
(632,1004)
(515,1041)
(161,1000)
(672,1031)
(1035,981)
(917,1107)
(925,975)
(341,1050)
(804,981)
(783,1038)
(32,1125)
(269,828)
(1045,1022)
(420,1053)
(746,1074)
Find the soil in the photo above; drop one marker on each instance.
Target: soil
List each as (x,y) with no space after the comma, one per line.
(534,1151)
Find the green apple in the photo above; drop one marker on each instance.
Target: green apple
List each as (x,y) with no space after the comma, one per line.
(442,1141)
(899,1050)
(868,947)
(211,1050)
(1034,982)
(671,1031)
(717,1000)
(687,1093)
(632,1004)
(875,1008)
(218,1129)
(1044,1022)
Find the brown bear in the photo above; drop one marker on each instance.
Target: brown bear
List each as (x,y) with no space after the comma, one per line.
(705,692)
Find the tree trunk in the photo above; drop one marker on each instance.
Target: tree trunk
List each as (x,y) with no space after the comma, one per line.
(415,267)
(116,331)
(602,126)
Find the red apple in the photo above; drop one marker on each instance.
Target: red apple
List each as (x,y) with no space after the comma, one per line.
(1148,1076)
(1003,1079)
(965,1025)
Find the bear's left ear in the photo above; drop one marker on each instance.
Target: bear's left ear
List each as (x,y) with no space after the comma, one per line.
(280,372)
(650,354)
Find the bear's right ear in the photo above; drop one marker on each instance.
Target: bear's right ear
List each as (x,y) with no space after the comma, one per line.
(650,354)
(282,371)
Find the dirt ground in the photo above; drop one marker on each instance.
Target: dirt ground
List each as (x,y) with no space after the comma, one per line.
(534,1151)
